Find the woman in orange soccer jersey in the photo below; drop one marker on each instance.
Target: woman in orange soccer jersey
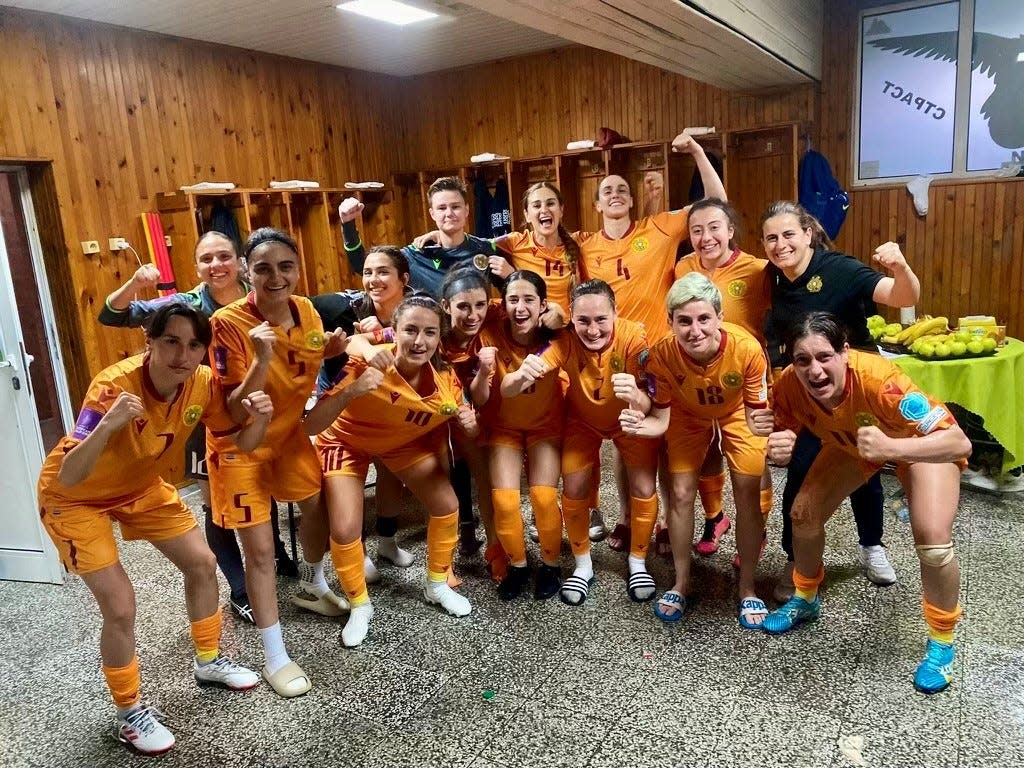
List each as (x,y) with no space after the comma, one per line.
(274,341)
(746,291)
(393,416)
(603,357)
(709,377)
(637,259)
(134,422)
(529,425)
(867,412)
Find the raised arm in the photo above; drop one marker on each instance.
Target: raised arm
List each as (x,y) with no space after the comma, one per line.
(903,289)
(713,186)
(941,446)
(115,311)
(349,210)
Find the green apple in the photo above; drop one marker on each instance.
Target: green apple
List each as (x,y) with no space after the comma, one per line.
(988,344)
(975,347)
(876,321)
(892,329)
(942,349)
(925,349)
(964,336)
(957,349)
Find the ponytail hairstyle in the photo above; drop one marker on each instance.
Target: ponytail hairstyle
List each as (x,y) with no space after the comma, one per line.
(572,248)
(423,302)
(458,279)
(728,211)
(819,239)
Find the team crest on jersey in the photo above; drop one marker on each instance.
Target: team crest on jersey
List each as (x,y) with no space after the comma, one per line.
(737,288)
(448,409)
(191,415)
(639,244)
(315,339)
(814,284)
(732,379)
(865,419)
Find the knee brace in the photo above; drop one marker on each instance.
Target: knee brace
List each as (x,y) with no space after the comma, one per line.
(936,555)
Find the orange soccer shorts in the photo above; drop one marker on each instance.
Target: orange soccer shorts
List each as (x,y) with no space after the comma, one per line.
(84,533)
(242,484)
(339,459)
(521,439)
(688,441)
(581,448)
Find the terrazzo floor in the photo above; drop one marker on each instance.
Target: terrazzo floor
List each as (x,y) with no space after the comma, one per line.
(529,683)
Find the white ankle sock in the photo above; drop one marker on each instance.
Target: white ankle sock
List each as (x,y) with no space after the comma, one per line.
(358,625)
(440,593)
(637,564)
(918,188)
(584,567)
(313,580)
(273,648)
(370,571)
(388,548)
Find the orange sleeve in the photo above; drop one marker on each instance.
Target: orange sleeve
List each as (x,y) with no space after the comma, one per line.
(786,414)
(101,395)
(903,407)
(230,351)
(675,224)
(755,384)
(557,351)
(353,370)
(216,416)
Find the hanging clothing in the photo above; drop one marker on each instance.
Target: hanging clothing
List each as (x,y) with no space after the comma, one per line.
(820,193)
(492,217)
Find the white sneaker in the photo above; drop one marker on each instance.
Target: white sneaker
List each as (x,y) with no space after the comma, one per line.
(357,626)
(225,673)
(876,566)
(439,593)
(141,729)
(370,570)
(388,549)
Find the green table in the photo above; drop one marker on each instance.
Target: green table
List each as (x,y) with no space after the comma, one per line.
(992,387)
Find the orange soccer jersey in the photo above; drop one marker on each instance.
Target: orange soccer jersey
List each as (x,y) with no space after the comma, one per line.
(639,267)
(291,378)
(394,414)
(745,286)
(551,264)
(539,408)
(591,399)
(735,377)
(877,393)
(136,456)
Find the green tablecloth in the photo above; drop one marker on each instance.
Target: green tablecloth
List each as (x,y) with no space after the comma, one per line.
(992,387)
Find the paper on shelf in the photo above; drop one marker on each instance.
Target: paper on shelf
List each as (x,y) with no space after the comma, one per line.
(581,144)
(364,185)
(487,157)
(699,130)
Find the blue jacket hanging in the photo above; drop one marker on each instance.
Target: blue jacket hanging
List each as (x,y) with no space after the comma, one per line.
(820,193)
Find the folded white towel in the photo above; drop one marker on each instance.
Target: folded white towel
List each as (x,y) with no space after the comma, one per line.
(699,130)
(487,157)
(581,144)
(204,186)
(295,184)
(364,185)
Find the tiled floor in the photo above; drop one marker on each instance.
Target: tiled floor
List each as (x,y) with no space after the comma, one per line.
(601,685)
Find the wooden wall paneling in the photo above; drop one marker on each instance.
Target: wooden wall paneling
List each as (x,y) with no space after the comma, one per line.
(409,209)
(527,172)
(760,170)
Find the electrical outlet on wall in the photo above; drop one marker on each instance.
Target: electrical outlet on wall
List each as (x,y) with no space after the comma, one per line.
(118,244)
(90,246)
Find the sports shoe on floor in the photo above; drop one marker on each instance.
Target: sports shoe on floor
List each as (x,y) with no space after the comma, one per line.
(358,625)
(548,582)
(141,728)
(935,672)
(224,673)
(713,531)
(787,616)
(598,530)
(242,609)
(514,583)
(876,566)
(439,593)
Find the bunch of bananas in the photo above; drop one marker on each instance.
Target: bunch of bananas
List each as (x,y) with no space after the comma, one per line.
(927,325)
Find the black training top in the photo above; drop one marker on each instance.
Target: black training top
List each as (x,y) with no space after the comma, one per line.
(833,282)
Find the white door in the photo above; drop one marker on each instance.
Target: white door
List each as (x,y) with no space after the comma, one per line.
(26,552)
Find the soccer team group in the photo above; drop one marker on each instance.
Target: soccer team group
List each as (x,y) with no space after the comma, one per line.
(681,363)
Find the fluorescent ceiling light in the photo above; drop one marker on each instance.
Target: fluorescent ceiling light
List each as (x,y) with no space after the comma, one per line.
(390,11)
